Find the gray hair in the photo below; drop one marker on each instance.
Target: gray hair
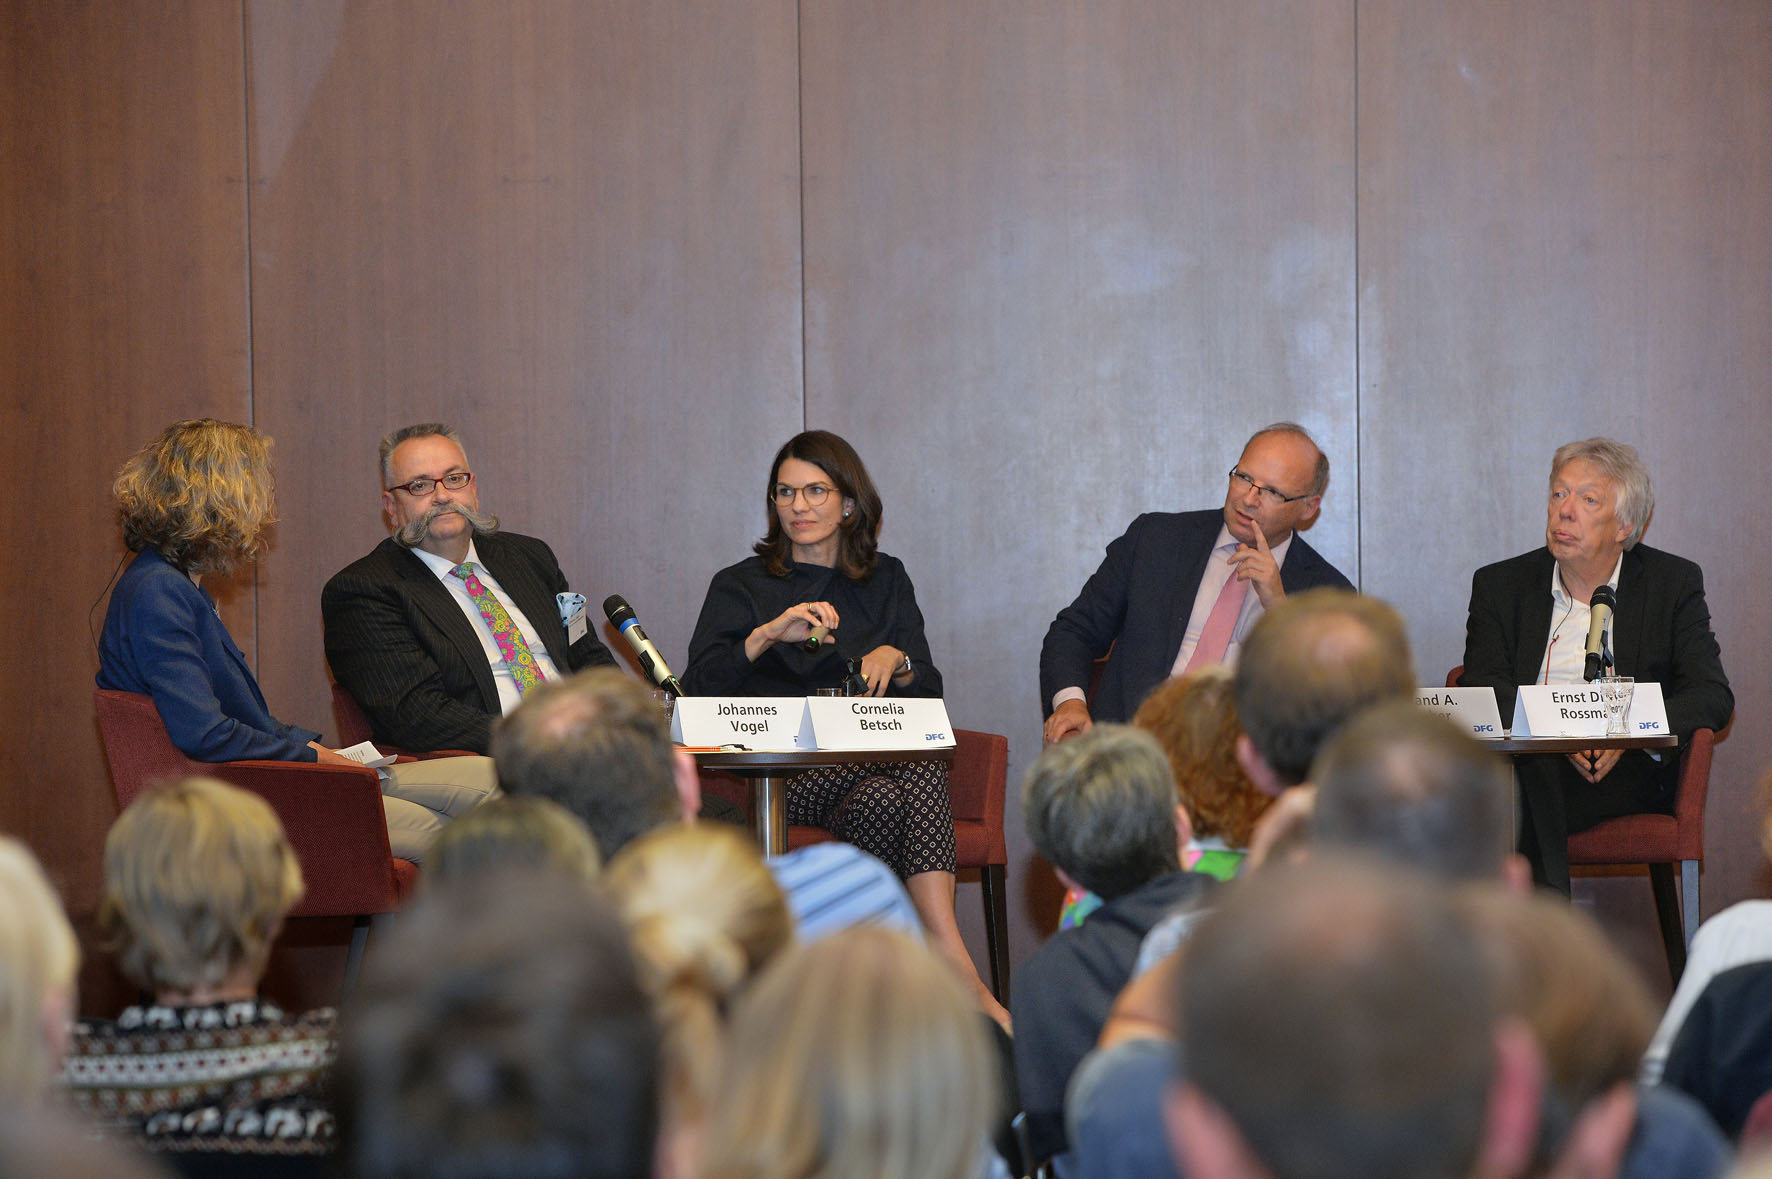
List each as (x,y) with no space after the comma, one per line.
(1620,463)
(406,434)
(1320,474)
(1101,808)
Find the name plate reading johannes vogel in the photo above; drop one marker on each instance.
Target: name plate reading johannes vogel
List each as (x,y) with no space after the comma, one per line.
(773,723)
(863,722)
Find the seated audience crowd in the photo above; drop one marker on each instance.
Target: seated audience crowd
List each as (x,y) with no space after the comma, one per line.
(1299,944)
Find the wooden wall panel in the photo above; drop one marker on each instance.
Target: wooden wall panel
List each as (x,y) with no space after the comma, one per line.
(122,308)
(1060,261)
(571,229)
(1566,230)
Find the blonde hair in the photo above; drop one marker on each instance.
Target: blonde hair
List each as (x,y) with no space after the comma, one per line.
(200,495)
(1194,718)
(527,832)
(198,876)
(38,958)
(857,1056)
(704,914)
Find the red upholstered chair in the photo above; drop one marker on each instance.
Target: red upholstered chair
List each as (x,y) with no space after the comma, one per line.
(1659,842)
(353,728)
(332,815)
(977,781)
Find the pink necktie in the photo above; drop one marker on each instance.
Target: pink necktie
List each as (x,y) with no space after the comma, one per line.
(1215,636)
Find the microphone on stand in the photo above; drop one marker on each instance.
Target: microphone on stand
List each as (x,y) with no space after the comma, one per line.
(621,616)
(1599,613)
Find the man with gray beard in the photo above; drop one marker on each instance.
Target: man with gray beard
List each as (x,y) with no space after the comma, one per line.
(442,628)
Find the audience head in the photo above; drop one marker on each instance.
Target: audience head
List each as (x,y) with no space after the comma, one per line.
(1309,665)
(597,744)
(1616,464)
(1337,1021)
(858,1055)
(1585,1005)
(437,517)
(1411,787)
(39,959)
(501,1031)
(200,495)
(530,833)
(1101,809)
(705,915)
(859,528)
(198,879)
(1194,718)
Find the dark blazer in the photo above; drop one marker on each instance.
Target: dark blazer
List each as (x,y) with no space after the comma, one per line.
(163,638)
(1660,632)
(401,646)
(1138,603)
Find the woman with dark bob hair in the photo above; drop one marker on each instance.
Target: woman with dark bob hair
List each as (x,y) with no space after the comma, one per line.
(193,503)
(819,566)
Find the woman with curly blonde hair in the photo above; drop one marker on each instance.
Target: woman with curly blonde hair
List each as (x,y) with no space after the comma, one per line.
(193,503)
(705,915)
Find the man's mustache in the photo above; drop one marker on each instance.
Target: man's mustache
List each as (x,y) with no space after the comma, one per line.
(415,531)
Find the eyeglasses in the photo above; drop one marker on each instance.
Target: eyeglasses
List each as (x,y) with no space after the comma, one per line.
(424,484)
(815,493)
(1271,496)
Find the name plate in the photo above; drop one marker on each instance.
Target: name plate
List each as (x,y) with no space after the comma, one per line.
(1471,709)
(773,723)
(863,722)
(1579,710)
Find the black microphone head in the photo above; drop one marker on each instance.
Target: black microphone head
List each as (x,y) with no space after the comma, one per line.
(617,610)
(1603,596)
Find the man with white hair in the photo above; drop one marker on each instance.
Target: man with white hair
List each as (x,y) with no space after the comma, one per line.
(1529,623)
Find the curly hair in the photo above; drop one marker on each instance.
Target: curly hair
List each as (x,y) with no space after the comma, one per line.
(1194,718)
(858,537)
(199,495)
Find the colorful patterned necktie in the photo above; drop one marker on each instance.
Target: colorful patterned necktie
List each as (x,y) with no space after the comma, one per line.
(504,632)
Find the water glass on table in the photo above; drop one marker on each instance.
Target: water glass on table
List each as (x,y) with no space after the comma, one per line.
(1617,691)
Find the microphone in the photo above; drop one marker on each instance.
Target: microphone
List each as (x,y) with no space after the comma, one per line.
(621,615)
(1599,613)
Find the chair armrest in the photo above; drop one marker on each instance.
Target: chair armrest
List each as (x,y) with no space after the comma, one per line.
(334,820)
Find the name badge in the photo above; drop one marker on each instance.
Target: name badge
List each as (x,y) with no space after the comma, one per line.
(572,615)
(774,723)
(1471,709)
(864,722)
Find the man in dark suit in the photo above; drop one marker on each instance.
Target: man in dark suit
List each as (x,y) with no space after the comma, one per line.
(1181,589)
(1529,624)
(440,630)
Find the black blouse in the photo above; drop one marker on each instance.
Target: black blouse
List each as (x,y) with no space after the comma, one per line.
(880,609)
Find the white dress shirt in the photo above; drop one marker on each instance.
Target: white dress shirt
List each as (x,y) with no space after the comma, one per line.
(1565,652)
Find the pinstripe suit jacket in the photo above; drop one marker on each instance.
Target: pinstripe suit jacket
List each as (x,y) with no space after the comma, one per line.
(401,646)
